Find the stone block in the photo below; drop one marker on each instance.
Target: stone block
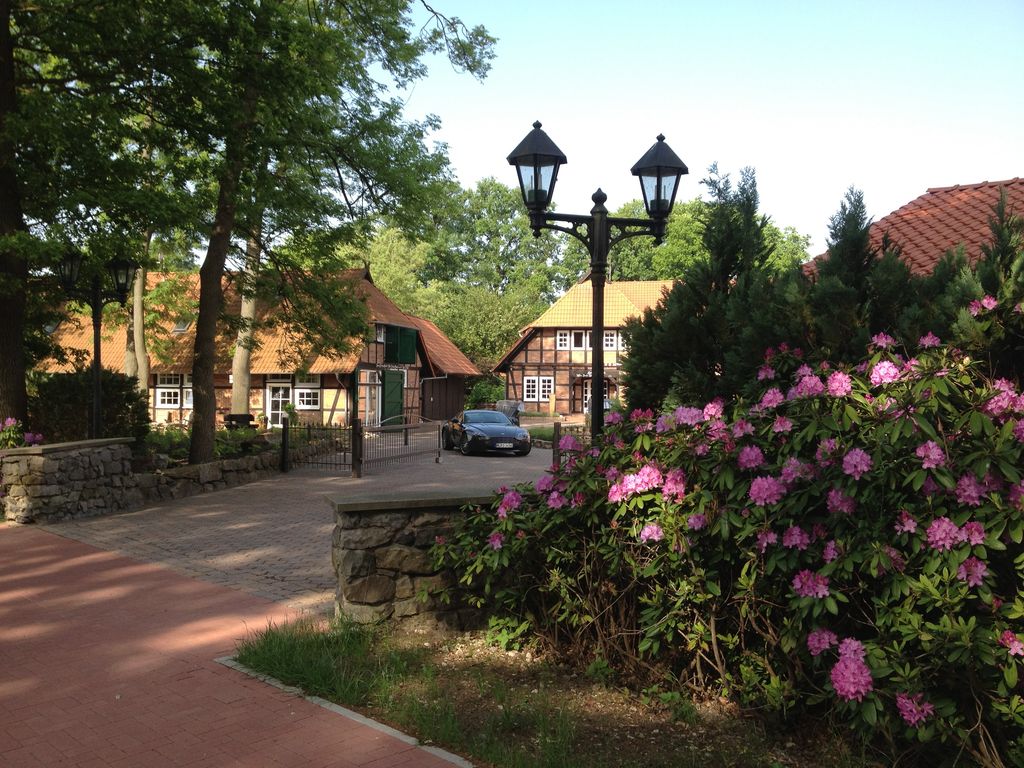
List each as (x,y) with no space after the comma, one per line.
(405,560)
(407,608)
(209,473)
(365,614)
(364,538)
(352,563)
(370,590)
(404,588)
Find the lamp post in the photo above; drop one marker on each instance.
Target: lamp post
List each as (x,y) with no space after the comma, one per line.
(537,161)
(97,298)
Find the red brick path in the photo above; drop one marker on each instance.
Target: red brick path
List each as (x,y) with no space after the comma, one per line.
(107,662)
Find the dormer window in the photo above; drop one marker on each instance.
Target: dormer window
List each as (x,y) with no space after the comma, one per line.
(181,326)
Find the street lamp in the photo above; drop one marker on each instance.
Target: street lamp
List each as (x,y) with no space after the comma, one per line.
(121,272)
(537,161)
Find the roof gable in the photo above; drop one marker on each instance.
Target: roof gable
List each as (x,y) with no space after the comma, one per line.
(622,300)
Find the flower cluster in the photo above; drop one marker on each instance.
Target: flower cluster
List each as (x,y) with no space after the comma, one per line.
(851,677)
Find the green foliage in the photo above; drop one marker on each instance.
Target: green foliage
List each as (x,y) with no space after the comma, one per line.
(61,406)
(173,441)
(488,389)
(13,434)
(854,549)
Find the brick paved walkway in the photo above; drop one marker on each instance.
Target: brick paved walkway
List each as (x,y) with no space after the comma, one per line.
(108,659)
(109,663)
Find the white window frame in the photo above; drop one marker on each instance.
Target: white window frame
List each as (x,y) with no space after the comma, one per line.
(168,380)
(381,333)
(546,387)
(585,335)
(313,396)
(611,340)
(562,339)
(307,380)
(186,397)
(531,388)
(168,397)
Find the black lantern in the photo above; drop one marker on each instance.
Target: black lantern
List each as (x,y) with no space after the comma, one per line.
(68,269)
(659,171)
(537,160)
(121,272)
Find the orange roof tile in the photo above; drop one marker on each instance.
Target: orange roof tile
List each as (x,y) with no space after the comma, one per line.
(442,354)
(276,347)
(944,218)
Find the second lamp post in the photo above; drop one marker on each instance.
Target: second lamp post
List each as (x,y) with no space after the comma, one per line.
(537,161)
(121,272)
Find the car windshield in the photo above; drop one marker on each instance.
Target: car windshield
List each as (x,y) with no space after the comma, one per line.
(485,417)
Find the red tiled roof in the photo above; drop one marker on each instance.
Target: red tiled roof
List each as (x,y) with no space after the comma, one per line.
(275,349)
(442,354)
(942,219)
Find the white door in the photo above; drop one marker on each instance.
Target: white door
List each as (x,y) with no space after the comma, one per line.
(279,396)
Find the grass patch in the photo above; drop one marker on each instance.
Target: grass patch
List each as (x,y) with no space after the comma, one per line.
(542,432)
(510,710)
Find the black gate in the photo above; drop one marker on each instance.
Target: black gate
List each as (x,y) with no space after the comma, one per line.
(356,448)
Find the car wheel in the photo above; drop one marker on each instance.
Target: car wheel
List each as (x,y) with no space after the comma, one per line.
(464,445)
(446,440)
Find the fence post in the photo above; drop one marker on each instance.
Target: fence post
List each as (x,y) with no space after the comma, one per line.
(285,458)
(437,455)
(357,447)
(556,438)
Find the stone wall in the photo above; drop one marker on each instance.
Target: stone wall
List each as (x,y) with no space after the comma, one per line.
(43,483)
(381,557)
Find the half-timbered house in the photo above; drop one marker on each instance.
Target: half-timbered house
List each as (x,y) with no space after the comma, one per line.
(549,367)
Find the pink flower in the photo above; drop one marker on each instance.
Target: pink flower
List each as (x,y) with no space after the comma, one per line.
(851,677)
(913,709)
(771,398)
(766,490)
(795,537)
(972,570)
(856,463)
(665,423)
(989,303)
(714,409)
(803,370)
(884,372)
(897,559)
(831,551)
(615,417)
(883,340)
(556,500)
(689,416)
(839,384)
(839,502)
(851,647)
(496,540)
(929,340)
(569,443)
(809,584)
(794,469)
(674,487)
(808,386)
(782,424)
(1012,643)
(765,373)
(651,532)
(973,533)
(509,502)
(820,640)
(765,538)
(440,540)
(741,428)
(969,490)
(823,454)
(974,308)
(943,534)
(931,455)
(750,457)
(544,484)
(696,522)
(906,523)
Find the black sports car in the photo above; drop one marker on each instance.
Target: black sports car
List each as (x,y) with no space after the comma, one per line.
(480,431)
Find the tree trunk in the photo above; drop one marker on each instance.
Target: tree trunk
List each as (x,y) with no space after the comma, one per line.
(240,375)
(211,303)
(139,323)
(13,264)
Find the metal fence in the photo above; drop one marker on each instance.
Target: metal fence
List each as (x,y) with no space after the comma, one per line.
(356,448)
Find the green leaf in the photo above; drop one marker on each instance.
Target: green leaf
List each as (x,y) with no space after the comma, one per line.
(1010,675)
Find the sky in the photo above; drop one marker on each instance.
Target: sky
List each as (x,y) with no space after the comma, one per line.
(892,98)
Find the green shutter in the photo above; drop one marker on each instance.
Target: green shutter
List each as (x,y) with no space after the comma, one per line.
(407,346)
(391,344)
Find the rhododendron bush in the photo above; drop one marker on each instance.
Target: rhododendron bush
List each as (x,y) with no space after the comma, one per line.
(850,542)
